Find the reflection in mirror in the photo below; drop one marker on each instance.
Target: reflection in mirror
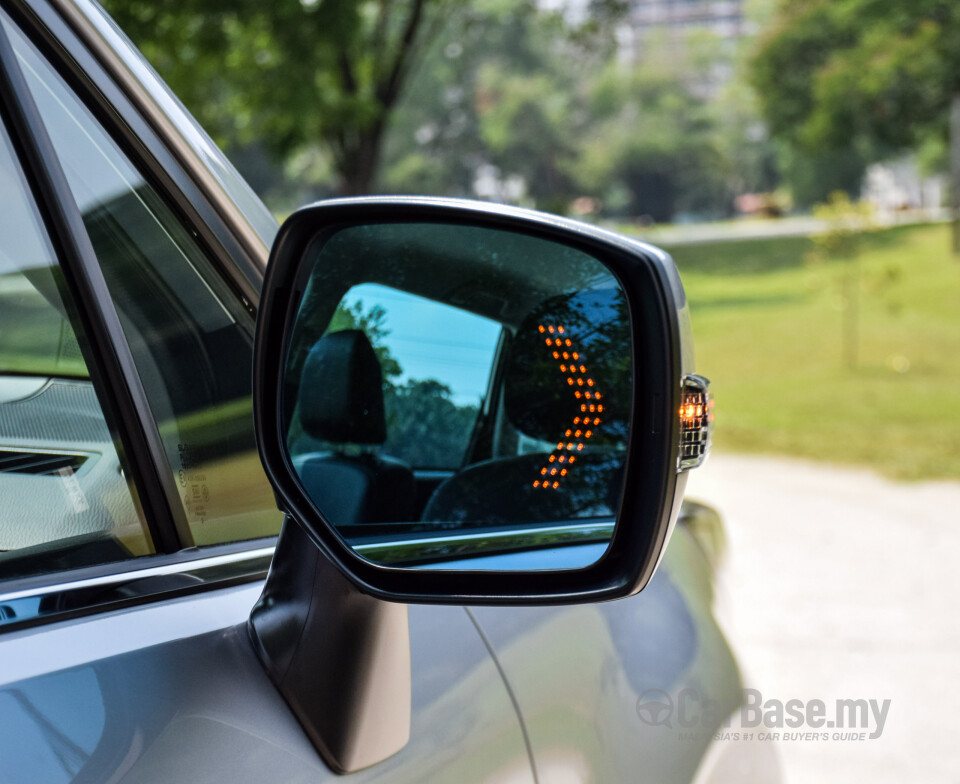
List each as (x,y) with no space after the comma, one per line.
(457,396)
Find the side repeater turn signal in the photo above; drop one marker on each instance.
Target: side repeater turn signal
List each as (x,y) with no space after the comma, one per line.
(696,422)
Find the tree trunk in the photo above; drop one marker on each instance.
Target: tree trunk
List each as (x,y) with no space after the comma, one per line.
(851,314)
(358,161)
(955,171)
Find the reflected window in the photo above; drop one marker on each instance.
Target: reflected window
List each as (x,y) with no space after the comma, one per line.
(435,363)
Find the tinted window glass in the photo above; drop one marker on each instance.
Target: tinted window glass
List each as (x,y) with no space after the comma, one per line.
(191,339)
(65,502)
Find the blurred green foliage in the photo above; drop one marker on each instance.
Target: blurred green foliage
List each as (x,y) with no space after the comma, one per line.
(289,75)
(497,98)
(846,82)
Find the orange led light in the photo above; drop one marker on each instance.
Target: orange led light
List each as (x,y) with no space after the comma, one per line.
(576,376)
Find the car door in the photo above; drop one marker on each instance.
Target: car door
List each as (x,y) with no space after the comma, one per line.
(137,522)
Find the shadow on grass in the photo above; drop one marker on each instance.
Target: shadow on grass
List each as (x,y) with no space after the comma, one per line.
(718,303)
(742,257)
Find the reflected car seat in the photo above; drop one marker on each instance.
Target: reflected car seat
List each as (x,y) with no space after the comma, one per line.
(341,403)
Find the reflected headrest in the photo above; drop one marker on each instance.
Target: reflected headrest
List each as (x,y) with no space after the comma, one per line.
(538,400)
(341,390)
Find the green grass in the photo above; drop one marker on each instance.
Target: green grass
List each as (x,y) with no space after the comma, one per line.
(767,325)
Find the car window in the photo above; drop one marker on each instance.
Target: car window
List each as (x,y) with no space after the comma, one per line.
(435,361)
(65,501)
(190,337)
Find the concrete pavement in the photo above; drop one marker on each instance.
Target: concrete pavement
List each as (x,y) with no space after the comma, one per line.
(839,584)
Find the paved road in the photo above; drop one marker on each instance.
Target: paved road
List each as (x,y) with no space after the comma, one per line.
(839,584)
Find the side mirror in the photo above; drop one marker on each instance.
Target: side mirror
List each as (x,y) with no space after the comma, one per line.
(467,403)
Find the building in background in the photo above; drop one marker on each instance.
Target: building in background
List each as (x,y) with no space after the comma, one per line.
(898,186)
(669,28)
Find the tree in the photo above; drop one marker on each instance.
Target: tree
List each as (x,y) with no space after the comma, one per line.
(839,242)
(372,323)
(498,97)
(651,149)
(290,75)
(425,427)
(867,77)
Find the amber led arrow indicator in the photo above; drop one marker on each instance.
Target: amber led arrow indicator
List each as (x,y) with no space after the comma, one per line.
(571,363)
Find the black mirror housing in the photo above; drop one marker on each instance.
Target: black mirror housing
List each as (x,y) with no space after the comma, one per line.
(658,445)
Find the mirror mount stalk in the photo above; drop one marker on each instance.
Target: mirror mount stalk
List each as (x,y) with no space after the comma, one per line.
(338,657)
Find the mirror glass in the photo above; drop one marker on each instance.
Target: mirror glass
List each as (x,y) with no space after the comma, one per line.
(459,397)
